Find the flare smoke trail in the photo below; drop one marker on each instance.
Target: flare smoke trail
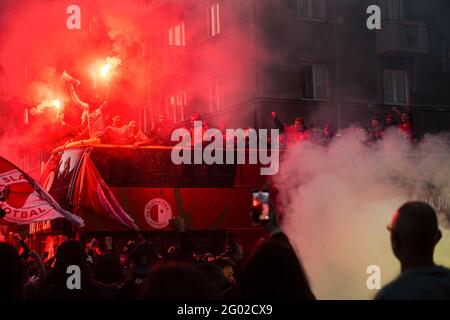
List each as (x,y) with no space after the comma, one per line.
(338,202)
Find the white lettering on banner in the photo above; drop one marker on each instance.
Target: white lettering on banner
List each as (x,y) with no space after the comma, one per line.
(32,207)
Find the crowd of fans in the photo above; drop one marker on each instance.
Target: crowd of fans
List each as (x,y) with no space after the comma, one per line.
(272,271)
(299,130)
(290,134)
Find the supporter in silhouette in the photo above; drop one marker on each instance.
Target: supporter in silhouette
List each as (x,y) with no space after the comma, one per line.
(72,253)
(274,271)
(178,281)
(12,273)
(414,235)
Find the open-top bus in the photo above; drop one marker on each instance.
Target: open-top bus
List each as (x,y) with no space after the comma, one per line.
(152,189)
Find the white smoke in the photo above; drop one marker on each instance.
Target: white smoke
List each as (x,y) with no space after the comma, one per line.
(338,201)
(53,104)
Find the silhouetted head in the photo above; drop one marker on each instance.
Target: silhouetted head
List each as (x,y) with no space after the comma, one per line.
(69,253)
(227,265)
(328,129)
(195,117)
(12,273)
(389,119)
(375,123)
(108,269)
(173,281)
(414,233)
(274,271)
(95,101)
(404,118)
(132,125)
(298,123)
(215,275)
(145,256)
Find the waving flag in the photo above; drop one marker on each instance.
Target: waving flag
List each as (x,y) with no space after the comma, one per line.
(95,194)
(23,201)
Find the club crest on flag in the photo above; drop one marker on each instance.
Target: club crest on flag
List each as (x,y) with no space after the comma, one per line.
(157,213)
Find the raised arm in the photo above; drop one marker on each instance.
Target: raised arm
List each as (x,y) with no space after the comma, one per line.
(76,99)
(280,124)
(105,103)
(395,109)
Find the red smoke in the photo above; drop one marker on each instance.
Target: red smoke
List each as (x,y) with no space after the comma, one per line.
(37,46)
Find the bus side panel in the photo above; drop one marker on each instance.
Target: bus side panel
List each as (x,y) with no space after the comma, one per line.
(201,208)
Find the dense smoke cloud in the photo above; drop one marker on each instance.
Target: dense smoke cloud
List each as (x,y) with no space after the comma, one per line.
(339,200)
(37,46)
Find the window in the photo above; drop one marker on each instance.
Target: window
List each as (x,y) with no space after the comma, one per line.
(314,81)
(176,107)
(214,20)
(214,95)
(311,9)
(391,9)
(177,35)
(395,83)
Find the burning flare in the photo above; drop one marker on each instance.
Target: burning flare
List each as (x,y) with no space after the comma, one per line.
(105,69)
(111,64)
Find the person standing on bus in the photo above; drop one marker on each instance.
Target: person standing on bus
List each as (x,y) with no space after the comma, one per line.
(135,136)
(114,133)
(194,118)
(162,129)
(92,120)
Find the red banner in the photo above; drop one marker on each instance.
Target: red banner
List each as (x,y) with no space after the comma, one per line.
(23,201)
(95,194)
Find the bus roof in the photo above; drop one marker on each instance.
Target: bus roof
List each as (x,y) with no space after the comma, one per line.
(96,143)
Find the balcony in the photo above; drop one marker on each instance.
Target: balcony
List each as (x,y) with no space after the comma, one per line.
(402,37)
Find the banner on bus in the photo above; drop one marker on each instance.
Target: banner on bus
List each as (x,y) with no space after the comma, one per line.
(24,201)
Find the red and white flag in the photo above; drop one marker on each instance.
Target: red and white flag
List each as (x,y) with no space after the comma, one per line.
(23,200)
(96,195)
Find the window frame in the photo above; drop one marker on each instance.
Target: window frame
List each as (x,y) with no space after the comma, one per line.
(213,27)
(389,6)
(311,16)
(172,35)
(172,107)
(314,65)
(217,98)
(395,100)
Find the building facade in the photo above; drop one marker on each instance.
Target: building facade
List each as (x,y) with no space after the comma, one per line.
(239,60)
